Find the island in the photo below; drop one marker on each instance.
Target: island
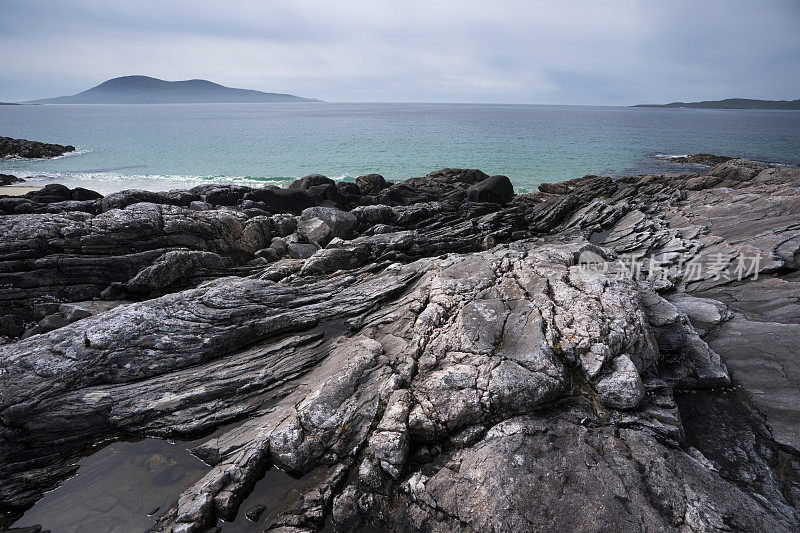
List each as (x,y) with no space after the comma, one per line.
(147,90)
(731,103)
(438,354)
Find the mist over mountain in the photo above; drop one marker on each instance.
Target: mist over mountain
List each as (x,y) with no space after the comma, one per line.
(147,90)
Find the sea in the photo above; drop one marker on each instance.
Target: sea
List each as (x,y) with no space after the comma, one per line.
(169,146)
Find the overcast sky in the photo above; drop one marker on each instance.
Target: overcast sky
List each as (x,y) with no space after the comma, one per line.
(551,52)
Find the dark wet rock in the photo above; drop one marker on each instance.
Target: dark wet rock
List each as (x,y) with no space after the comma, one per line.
(312,180)
(80,194)
(447,364)
(250,204)
(226,195)
(254,513)
(199,205)
(31,149)
(122,199)
(708,160)
(497,189)
(371,183)
(448,185)
(8,179)
(346,188)
(282,200)
(52,198)
(52,192)
(328,195)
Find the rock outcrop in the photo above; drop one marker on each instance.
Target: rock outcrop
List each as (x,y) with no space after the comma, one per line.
(594,356)
(8,179)
(10,147)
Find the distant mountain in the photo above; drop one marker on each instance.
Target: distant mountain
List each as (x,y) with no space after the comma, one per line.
(732,103)
(147,90)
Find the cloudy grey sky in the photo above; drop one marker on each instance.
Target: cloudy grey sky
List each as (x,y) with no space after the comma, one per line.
(534,51)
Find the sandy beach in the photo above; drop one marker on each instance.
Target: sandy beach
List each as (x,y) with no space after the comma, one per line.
(18,190)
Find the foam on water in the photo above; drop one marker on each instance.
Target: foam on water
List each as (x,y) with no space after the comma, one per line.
(107,181)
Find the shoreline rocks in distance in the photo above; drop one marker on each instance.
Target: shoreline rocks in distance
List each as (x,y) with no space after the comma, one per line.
(8,179)
(24,148)
(708,160)
(448,363)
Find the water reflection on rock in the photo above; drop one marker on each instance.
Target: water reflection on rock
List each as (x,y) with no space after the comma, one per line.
(117,488)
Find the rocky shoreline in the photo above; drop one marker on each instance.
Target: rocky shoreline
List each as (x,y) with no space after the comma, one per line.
(10,147)
(600,355)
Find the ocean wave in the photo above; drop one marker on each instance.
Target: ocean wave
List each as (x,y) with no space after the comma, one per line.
(77,151)
(106,181)
(671,156)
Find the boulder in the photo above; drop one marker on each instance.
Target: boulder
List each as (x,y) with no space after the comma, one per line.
(80,194)
(321,224)
(171,268)
(332,259)
(371,183)
(280,200)
(52,192)
(8,179)
(497,189)
(299,250)
(327,195)
(225,195)
(122,199)
(312,180)
(447,185)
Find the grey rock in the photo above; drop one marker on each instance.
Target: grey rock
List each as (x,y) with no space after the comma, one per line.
(468,338)
(332,259)
(314,230)
(268,254)
(297,250)
(200,206)
(172,267)
(279,245)
(339,223)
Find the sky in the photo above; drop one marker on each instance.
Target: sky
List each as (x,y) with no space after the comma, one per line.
(594,52)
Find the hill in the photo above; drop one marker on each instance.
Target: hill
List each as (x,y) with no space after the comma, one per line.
(147,90)
(732,103)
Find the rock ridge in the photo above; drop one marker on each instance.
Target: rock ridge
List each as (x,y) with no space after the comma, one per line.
(456,357)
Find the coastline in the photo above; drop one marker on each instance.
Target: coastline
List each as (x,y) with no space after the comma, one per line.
(401,329)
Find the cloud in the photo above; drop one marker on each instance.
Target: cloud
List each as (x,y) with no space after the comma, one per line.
(580,51)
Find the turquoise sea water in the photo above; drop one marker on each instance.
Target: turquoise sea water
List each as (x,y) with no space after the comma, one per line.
(167,146)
